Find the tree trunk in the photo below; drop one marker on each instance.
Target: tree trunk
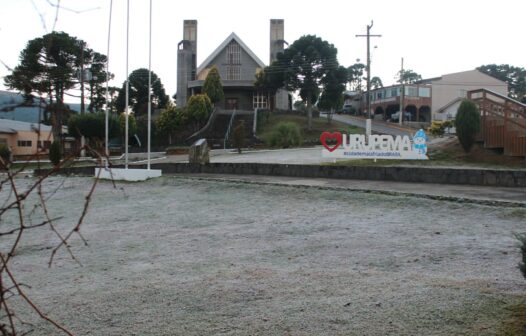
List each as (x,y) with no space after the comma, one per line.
(91,88)
(309,113)
(329,115)
(56,117)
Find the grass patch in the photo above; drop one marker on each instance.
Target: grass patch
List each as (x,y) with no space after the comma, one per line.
(32,165)
(516,324)
(310,137)
(519,213)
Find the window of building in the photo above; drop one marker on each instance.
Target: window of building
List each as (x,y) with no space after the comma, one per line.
(233,53)
(411,91)
(3,141)
(233,72)
(395,92)
(24,143)
(424,92)
(260,101)
(233,61)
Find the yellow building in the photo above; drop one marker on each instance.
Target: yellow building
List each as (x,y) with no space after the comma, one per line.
(25,139)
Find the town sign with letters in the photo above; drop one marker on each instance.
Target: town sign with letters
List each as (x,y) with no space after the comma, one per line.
(357,146)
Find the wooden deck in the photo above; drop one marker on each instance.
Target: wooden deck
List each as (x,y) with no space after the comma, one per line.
(503,122)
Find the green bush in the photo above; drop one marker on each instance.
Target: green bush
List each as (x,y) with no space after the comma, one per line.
(467,124)
(285,135)
(198,109)
(93,126)
(437,128)
(262,119)
(5,154)
(132,124)
(448,123)
(522,265)
(55,153)
(170,121)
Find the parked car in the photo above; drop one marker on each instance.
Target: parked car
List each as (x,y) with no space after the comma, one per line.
(348,109)
(396,115)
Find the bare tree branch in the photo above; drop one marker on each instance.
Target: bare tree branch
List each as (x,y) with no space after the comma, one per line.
(26,298)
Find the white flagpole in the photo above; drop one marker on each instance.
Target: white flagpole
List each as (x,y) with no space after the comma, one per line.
(127,86)
(106,131)
(150,86)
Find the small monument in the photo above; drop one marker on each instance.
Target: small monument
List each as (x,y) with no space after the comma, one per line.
(199,152)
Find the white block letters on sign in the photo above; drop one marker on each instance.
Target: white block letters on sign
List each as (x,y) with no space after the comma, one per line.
(357,146)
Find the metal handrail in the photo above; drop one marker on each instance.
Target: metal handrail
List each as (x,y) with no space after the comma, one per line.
(228,129)
(205,128)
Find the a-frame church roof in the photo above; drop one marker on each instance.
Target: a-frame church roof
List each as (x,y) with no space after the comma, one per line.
(223,45)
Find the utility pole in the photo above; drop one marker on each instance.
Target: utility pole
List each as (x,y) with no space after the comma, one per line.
(368,97)
(402,92)
(369,114)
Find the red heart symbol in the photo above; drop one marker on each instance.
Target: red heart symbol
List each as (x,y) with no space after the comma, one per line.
(326,135)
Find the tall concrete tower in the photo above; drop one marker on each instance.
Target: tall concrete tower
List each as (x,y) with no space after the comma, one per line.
(186,60)
(277,38)
(277,45)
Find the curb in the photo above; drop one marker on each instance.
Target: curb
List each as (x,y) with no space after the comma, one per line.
(453,199)
(452,176)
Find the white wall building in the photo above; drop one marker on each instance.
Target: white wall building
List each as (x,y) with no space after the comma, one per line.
(447,89)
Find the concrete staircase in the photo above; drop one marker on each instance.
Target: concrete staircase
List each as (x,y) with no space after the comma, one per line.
(215,131)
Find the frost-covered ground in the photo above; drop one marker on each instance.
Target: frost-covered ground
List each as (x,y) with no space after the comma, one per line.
(176,256)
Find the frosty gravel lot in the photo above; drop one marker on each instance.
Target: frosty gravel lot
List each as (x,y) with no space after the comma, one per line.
(178,256)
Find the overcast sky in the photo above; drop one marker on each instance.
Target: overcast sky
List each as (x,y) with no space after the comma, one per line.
(434,37)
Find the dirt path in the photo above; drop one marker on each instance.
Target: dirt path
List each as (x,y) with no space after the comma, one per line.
(174,256)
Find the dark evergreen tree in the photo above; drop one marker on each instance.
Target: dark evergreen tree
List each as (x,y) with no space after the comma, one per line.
(514,76)
(355,76)
(408,76)
(48,67)
(467,124)
(213,87)
(302,67)
(138,93)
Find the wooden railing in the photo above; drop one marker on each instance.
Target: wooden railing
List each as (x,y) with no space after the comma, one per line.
(503,121)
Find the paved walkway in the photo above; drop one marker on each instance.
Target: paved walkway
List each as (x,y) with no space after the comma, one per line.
(467,193)
(378,126)
(311,155)
(460,193)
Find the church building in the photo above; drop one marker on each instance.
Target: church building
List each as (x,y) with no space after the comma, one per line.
(237,66)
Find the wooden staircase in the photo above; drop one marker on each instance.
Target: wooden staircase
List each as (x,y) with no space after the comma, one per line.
(503,122)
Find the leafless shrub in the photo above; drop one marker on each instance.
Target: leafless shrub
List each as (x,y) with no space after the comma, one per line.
(17,218)
(15,222)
